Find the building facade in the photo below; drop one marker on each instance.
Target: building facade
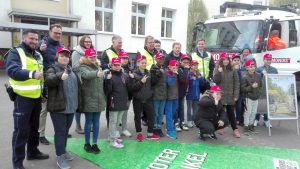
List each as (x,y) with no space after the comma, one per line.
(166,20)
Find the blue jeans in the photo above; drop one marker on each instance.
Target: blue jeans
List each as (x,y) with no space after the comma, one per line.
(77,118)
(159,107)
(179,113)
(91,118)
(171,108)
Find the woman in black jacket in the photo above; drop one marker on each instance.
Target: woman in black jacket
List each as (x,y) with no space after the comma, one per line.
(211,115)
(63,101)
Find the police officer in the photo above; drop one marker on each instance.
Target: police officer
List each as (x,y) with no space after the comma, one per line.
(206,62)
(24,66)
(111,52)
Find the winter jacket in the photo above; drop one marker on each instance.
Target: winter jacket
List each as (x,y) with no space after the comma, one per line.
(172,85)
(93,97)
(126,70)
(63,96)
(141,91)
(76,55)
(160,88)
(50,52)
(183,81)
(195,84)
(209,111)
(247,89)
(228,81)
(171,56)
(116,89)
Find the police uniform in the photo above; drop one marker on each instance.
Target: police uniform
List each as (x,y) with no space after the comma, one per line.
(21,64)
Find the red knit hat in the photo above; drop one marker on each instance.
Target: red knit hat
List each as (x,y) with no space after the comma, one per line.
(90,52)
(173,63)
(123,55)
(249,63)
(215,89)
(116,61)
(140,57)
(267,56)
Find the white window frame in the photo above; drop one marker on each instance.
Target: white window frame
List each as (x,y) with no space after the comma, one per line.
(103,10)
(137,15)
(165,19)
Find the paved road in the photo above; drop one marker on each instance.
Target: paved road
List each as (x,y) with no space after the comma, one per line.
(283,136)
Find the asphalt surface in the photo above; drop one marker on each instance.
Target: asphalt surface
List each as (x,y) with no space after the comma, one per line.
(284,135)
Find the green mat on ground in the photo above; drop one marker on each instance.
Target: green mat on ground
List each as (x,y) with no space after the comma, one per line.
(173,155)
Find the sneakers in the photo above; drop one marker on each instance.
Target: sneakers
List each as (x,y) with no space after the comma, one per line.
(221,131)
(62,163)
(79,129)
(190,124)
(267,124)
(126,133)
(184,127)
(171,134)
(44,141)
(152,137)
(177,127)
(255,123)
(116,144)
(88,148)
(95,149)
(139,137)
(68,156)
(236,133)
(118,134)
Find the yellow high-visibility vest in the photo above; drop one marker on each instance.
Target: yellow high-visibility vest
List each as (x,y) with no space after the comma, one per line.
(30,88)
(150,60)
(203,68)
(111,54)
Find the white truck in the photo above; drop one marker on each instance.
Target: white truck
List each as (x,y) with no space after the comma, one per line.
(251,27)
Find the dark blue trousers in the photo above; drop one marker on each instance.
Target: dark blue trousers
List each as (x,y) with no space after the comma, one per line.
(26,116)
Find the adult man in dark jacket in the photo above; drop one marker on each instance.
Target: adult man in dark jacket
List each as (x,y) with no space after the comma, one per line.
(25,69)
(47,47)
(174,55)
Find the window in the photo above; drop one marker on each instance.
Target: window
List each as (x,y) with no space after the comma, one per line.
(138,19)
(104,15)
(166,23)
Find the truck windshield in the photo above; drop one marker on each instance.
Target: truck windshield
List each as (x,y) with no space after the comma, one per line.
(232,35)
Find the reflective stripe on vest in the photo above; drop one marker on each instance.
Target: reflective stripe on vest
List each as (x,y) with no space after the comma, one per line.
(203,68)
(111,54)
(30,88)
(150,60)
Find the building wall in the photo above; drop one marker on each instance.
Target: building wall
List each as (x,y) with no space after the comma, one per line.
(5,40)
(50,6)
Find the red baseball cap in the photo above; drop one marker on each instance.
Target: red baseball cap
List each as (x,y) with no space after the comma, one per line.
(159,55)
(140,57)
(215,89)
(123,55)
(173,63)
(62,49)
(184,56)
(267,56)
(223,55)
(193,62)
(90,52)
(249,63)
(116,61)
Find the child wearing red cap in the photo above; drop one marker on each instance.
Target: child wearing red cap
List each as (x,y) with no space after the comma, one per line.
(211,115)
(227,79)
(196,81)
(183,84)
(116,84)
(93,97)
(172,97)
(159,92)
(63,101)
(265,69)
(251,87)
(141,87)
